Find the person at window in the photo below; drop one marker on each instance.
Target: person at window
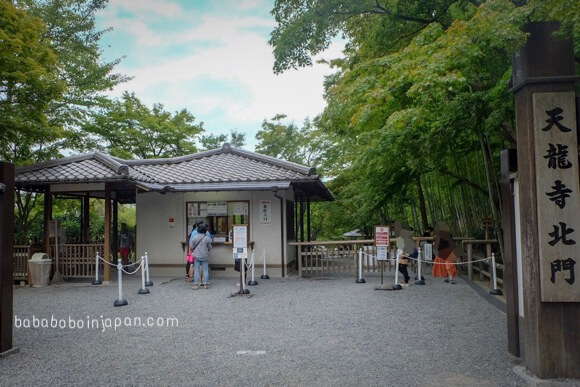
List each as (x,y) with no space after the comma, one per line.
(201,247)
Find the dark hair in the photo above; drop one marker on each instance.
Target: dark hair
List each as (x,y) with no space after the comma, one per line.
(202,229)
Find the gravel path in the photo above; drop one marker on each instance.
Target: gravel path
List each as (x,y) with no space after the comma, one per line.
(290,332)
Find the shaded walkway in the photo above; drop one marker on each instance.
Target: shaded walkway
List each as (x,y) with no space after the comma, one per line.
(291,332)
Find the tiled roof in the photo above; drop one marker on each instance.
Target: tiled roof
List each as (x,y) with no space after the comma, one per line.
(224,167)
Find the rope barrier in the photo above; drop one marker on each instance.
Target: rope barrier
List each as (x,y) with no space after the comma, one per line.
(436,263)
(115,265)
(136,270)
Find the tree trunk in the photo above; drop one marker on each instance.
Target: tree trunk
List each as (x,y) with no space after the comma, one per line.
(422,206)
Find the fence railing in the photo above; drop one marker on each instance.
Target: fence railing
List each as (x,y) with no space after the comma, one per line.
(77,260)
(483,268)
(21,256)
(327,258)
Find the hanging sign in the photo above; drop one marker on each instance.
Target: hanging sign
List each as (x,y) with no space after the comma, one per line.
(558,197)
(382,236)
(265,212)
(428,251)
(217,208)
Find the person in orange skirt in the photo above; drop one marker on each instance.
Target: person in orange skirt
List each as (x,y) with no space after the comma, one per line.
(444,265)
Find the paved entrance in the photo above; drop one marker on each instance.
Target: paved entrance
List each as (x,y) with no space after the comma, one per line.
(291,332)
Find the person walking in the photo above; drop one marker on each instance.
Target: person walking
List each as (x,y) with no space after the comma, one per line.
(200,245)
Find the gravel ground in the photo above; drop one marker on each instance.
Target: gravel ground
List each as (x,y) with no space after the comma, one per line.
(292,331)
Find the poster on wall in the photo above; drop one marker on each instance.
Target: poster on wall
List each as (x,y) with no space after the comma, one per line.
(265,212)
(240,208)
(196,210)
(217,208)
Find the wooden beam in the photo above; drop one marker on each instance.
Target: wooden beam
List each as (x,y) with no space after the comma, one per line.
(86,218)
(47,219)
(510,273)
(6,255)
(115,229)
(107,247)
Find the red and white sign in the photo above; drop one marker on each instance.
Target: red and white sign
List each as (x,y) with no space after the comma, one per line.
(382,236)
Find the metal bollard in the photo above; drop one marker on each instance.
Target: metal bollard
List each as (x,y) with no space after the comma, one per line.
(420,280)
(97,280)
(120,301)
(143,289)
(360,279)
(495,291)
(396,286)
(265,276)
(148,282)
(253,282)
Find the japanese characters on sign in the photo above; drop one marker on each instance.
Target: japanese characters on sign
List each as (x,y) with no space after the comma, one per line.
(240,237)
(382,236)
(558,195)
(265,212)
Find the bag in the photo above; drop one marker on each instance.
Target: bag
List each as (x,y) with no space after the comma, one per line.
(190,258)
(237,265)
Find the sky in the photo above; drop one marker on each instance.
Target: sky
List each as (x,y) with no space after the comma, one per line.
(212,58)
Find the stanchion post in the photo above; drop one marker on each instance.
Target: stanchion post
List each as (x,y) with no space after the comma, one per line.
(420,280)
(253,282)
(495,291)
(360,279)
(97,280)
(120,301)
(396,286)
(143,289)
(265,276)
(243,273)
(148,282)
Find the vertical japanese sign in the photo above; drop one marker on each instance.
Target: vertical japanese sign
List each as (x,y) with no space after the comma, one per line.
(265,212)
(558,197)
(382,236)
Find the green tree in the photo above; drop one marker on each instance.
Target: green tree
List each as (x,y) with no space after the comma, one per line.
(129,129)
(213,141)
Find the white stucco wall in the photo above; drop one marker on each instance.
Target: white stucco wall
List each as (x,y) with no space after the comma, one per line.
(163,243)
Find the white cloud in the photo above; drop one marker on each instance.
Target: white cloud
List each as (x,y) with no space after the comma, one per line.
(145,8)
(237,55)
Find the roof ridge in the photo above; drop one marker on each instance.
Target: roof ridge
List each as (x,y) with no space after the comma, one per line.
(272,160)
(175,160)
(55,162)
(114,164)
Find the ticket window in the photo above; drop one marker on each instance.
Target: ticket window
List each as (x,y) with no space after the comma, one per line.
(220,217)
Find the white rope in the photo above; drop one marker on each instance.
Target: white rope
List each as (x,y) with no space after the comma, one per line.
(136,270)
(436,263)
(115,265)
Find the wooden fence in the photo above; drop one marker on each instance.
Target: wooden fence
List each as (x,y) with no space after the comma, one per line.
(21,257)
(482,267)
(330,258)
(77,260)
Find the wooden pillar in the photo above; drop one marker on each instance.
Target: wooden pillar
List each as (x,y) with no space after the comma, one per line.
(116,228)
(545,69)
(308,220)
(47,219)
(301,219)
(510,272)
(86,222)
(107,248)
(6,255)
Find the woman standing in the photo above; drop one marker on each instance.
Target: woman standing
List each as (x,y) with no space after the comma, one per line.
(445,260)
(201,246)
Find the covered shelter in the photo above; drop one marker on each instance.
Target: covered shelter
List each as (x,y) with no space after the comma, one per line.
(222,187)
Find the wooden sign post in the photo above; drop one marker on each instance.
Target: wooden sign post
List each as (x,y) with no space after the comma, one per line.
(547,158)
(6,256)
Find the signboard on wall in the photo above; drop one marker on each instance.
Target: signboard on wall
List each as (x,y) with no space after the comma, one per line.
(558,197)
(240,208)
(196,210)
(217,208)
(265,212)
